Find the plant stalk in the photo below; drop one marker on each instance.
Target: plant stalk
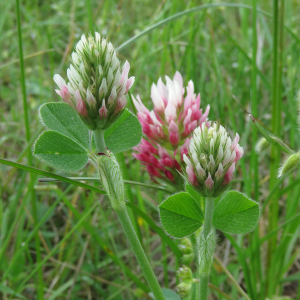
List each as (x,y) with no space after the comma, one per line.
(207,228)
(99,141)
(209,210)
(138,251)
(111,177)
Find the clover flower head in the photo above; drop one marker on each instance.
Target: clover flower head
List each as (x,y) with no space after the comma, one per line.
(97,84)
(168,126)
(212,159)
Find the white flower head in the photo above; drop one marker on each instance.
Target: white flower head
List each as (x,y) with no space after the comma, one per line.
(213,156)
(95,73)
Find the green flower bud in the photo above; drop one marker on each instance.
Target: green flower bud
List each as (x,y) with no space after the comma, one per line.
(185,246)
(262,145)
(111,178)
(183,289)
(187,259)
(206,250)
(290,164)
(185,274)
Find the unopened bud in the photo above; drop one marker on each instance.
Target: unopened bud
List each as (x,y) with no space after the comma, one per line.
(206,250)
(183,289)
(187,259)
(185,246)
(111,179)
(290,164)
(262,145)
(185,274)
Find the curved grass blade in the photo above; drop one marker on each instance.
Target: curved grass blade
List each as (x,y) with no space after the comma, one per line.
(193,10)
(32,233)
(271,137)
(151,186)
(54,249)
(108,251)
(51,175)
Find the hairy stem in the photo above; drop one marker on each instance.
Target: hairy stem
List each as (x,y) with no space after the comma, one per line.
(138,251)
(209,210)
(99,141)
(207,257)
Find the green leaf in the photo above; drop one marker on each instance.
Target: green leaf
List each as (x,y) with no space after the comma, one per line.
(59,151)
(180,215)
(236,213)
(61,117)
(169,294)
(124,134)
(198,198)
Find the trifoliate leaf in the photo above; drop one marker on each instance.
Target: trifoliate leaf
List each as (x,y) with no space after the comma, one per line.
(236,213)
(60,152)
(61,117)
(180,215)
(124,134)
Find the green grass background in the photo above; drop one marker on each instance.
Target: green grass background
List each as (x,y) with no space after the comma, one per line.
(59,241)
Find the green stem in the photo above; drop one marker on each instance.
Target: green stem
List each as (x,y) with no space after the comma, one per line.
(195,244)
(138,251)
(209,210)
(203,282)
(99,141)
(207,228)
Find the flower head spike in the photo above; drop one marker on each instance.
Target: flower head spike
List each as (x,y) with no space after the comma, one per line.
(97,83)
(212,159)
(168,126)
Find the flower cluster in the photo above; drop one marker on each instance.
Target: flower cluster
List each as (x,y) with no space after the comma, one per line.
(97,85)
(168,127)
(213,157)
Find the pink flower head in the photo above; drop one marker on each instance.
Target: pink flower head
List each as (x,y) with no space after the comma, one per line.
(63,91)
(168,126)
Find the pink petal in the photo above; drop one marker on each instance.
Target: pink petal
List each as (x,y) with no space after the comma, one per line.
(229,174)
(170,113)
(169,175)
(209,183)
(153,171)
(204,116)
(173,133)
(179,79)
(191,176)
(235,141)
(239,152)
(184,148)
(121,103)
(129,83)
(163,91)
(159,105)
(103,110)
(80,106)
